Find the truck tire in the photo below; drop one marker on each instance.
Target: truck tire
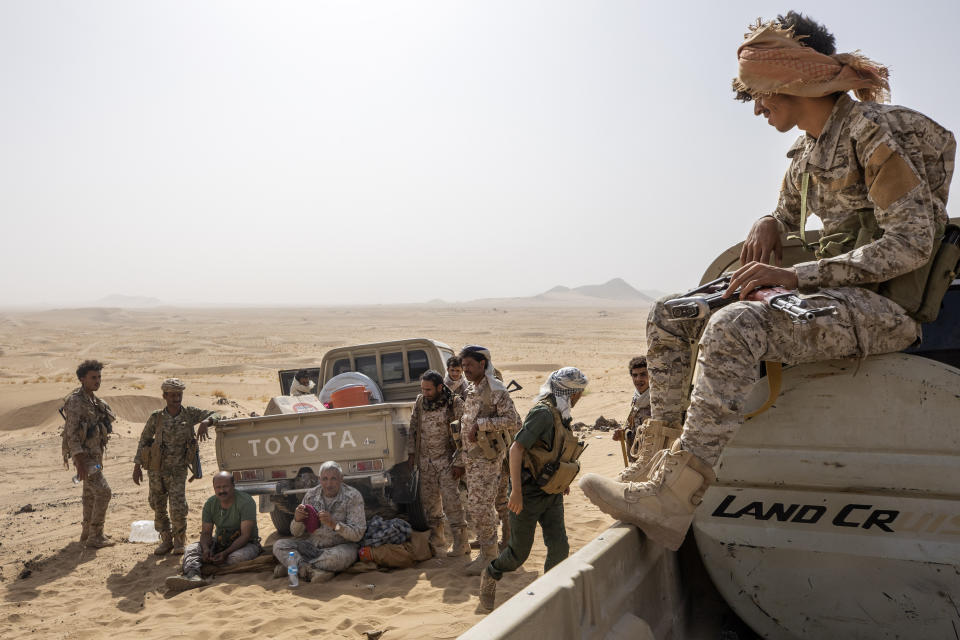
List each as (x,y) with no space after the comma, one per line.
(414,509)
(281,520)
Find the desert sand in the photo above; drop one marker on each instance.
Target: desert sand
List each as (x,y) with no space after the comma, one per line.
(54,588)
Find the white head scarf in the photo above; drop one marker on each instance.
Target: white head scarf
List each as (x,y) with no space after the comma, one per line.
(495,384)
(562,384)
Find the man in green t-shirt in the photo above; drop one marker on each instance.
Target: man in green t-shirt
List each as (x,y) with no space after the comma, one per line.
(228,535)
(528,502)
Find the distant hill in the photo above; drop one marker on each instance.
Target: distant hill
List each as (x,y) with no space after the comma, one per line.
(616,289)
(127,302)
(615,293)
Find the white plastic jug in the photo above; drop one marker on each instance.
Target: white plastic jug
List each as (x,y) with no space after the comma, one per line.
(143,531)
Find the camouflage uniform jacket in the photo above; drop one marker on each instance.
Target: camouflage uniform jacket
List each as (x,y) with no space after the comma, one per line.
(499,413)
(346,508)
(639,409)
(431,427)
(886,159)
(85,430)
(177,434)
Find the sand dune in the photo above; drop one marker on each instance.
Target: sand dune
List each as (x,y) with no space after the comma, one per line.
(72,592)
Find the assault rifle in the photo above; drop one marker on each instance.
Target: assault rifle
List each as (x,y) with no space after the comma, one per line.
(702,301)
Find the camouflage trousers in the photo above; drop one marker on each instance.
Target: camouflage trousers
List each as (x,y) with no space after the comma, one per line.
(736,338)
(96,496)
(169,486)
(439,493)
(483,480)
(335,558)
(193,556)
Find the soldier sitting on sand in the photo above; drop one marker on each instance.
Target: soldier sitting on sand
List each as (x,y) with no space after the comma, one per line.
(327,528)
(228,533)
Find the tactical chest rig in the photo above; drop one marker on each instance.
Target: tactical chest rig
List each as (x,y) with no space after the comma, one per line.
(494,440)
(554,469)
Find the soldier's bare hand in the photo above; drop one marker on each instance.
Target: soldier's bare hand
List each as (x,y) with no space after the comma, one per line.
(756,274)
(617,435)
(515,503)
(457,472)
(763,243)
(205,555)
(218,558)
(137,474)
(326,518)
(202,431)
(300,513)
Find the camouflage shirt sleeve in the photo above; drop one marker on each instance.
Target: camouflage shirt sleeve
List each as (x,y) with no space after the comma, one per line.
(74,432)
(507,416)
(354,525)
(787,213)
(149,429)
(196,415)
(414,429)
(903,207)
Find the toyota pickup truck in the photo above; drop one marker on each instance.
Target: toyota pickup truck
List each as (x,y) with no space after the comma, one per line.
(278,457)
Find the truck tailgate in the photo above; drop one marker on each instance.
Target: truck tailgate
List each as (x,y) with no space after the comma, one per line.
(304,438)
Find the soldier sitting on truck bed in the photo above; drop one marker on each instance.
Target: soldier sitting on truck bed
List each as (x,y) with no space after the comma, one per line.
(327,528)
(878,178)
(431,449)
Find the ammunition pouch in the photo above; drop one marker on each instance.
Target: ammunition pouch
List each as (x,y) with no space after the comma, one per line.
(555,477)
(491,444)
(151,454)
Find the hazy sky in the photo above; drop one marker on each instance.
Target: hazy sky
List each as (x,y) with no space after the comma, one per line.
(374,152)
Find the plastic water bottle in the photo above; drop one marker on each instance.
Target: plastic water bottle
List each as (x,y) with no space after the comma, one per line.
(90,471)
(292,570)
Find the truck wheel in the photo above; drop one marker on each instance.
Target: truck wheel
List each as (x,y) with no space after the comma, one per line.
(281,520)
(414,510)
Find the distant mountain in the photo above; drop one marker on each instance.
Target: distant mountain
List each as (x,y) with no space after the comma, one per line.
(616,289)
(127,302)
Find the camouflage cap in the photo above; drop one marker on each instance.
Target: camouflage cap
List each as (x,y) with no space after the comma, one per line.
(172,384)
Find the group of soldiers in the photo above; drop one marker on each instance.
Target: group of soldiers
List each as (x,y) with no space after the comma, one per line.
(878,177)
(168,441)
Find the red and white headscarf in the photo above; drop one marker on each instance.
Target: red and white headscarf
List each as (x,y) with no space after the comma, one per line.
(773,60)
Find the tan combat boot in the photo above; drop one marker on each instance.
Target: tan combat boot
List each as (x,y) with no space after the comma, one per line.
(488,590)
(438,541)
(460,545)
(488,553)
(655,436)
(166,544)
(179,542)
(96,539)
(504,533)
(662,506)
